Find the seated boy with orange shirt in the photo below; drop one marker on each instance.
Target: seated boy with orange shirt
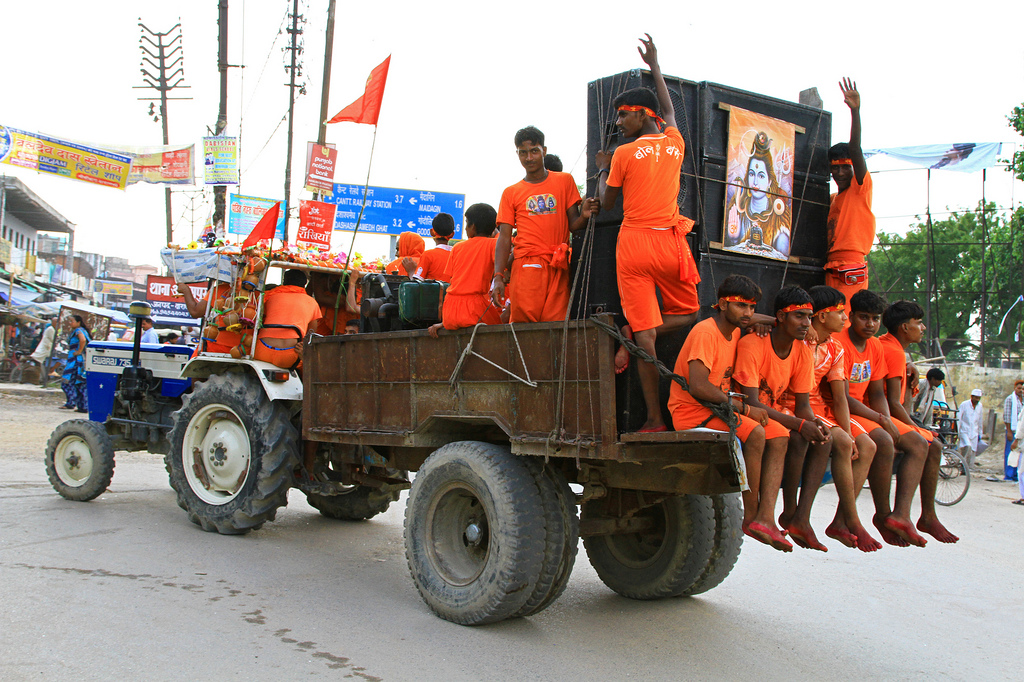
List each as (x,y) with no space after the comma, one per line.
(652,254)
(851,224)
(851,450)
(766,368)
(543,208)
(224,340)
(336,312)
(470,269)
(902,319)
(865,373)
(706,362)
(434,262)
(288,312)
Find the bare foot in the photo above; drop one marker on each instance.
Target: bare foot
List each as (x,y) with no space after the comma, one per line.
(840,533)
(769,536)
(622,355)
(805,537)
(936,530)
(905,529)
(865,542)
(888,536)
(656,427)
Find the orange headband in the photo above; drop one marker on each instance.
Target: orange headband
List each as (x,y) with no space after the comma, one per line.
(834,308)
(646,110)
(841,162)
(738,299)
(797,306)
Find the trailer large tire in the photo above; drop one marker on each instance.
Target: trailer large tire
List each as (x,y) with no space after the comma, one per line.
(728,540)
(562,537)
(232,453)
(79,460)
(663,560)
(357,503)
(474,532)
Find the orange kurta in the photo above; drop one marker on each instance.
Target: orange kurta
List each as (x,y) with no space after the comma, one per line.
(291,306)
(896,368)
(706,344)
(652,251)
(225,340)
(434,262)
(757,365)
(470,270)
(851,234)
(540,271)
(828,364)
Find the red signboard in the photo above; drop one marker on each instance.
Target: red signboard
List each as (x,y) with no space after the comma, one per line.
(321,161)
(165,300)
(316,220)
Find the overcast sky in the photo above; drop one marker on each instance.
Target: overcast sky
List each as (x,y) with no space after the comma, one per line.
(466,75)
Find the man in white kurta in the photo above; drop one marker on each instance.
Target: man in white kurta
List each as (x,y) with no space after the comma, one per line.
(969,426)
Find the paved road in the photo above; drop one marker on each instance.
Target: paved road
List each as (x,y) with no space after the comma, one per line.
(124,587)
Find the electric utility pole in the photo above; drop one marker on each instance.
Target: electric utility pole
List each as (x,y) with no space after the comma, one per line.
(220,191)
(167,63)
(294,70)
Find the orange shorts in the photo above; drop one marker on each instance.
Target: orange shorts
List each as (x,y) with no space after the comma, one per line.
(864,425)
(646,260)
(904,429)
(541,291)
(466,310)
(285,359)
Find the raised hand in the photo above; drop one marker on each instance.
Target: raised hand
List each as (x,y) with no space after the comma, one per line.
(850,94)
(649,53)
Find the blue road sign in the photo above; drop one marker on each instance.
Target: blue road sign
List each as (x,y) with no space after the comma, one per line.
(393,211)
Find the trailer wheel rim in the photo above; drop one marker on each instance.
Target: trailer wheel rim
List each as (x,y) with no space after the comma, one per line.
(72,460)
(644,548)
(216,453)
(458,534)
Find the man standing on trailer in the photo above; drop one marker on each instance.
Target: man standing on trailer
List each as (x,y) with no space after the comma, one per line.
(543,208)
(652,254)
(851,224)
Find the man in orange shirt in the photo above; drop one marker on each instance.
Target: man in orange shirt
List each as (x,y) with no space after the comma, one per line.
(706,361)
(766,368)
(851,449)
(470,269)
(288,312)
(865,372)
(851,224)
(902,319)
(433,263)
(543,208)
(326,289)
(410,248)
(652,252)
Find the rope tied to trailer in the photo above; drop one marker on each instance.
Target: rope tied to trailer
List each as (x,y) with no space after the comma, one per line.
(723,411)
(468,350)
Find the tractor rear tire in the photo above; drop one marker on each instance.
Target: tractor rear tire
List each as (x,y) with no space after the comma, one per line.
(232,453)
(728,540)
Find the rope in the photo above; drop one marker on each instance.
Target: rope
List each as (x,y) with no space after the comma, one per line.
(803,191)
(468,350)
(723,411)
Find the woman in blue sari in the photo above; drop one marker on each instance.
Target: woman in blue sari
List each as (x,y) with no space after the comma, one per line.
(73,379)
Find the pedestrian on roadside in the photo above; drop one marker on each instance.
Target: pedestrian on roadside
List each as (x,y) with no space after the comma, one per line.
(73,379)
(1015,446)
(44,350)
(969,426)
(1011,417)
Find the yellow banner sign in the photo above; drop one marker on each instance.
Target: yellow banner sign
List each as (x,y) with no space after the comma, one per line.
(112,286)
(63,158)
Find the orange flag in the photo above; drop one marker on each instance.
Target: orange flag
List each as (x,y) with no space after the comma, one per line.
(265,228)
(366,109)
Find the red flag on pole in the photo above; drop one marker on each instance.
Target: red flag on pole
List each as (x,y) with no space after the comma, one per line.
(265,228)
(366,109)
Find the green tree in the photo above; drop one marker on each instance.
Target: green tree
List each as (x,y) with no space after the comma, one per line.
(900,265)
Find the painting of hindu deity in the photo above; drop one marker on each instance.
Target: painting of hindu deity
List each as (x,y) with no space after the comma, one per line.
(759,185)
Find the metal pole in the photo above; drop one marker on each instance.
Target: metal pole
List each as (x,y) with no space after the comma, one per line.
(325,89)
(928,265)
(220,191)
(3,215)
(984,274)
(291,115)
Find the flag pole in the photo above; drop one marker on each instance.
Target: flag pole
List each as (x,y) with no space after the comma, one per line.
(352,245)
